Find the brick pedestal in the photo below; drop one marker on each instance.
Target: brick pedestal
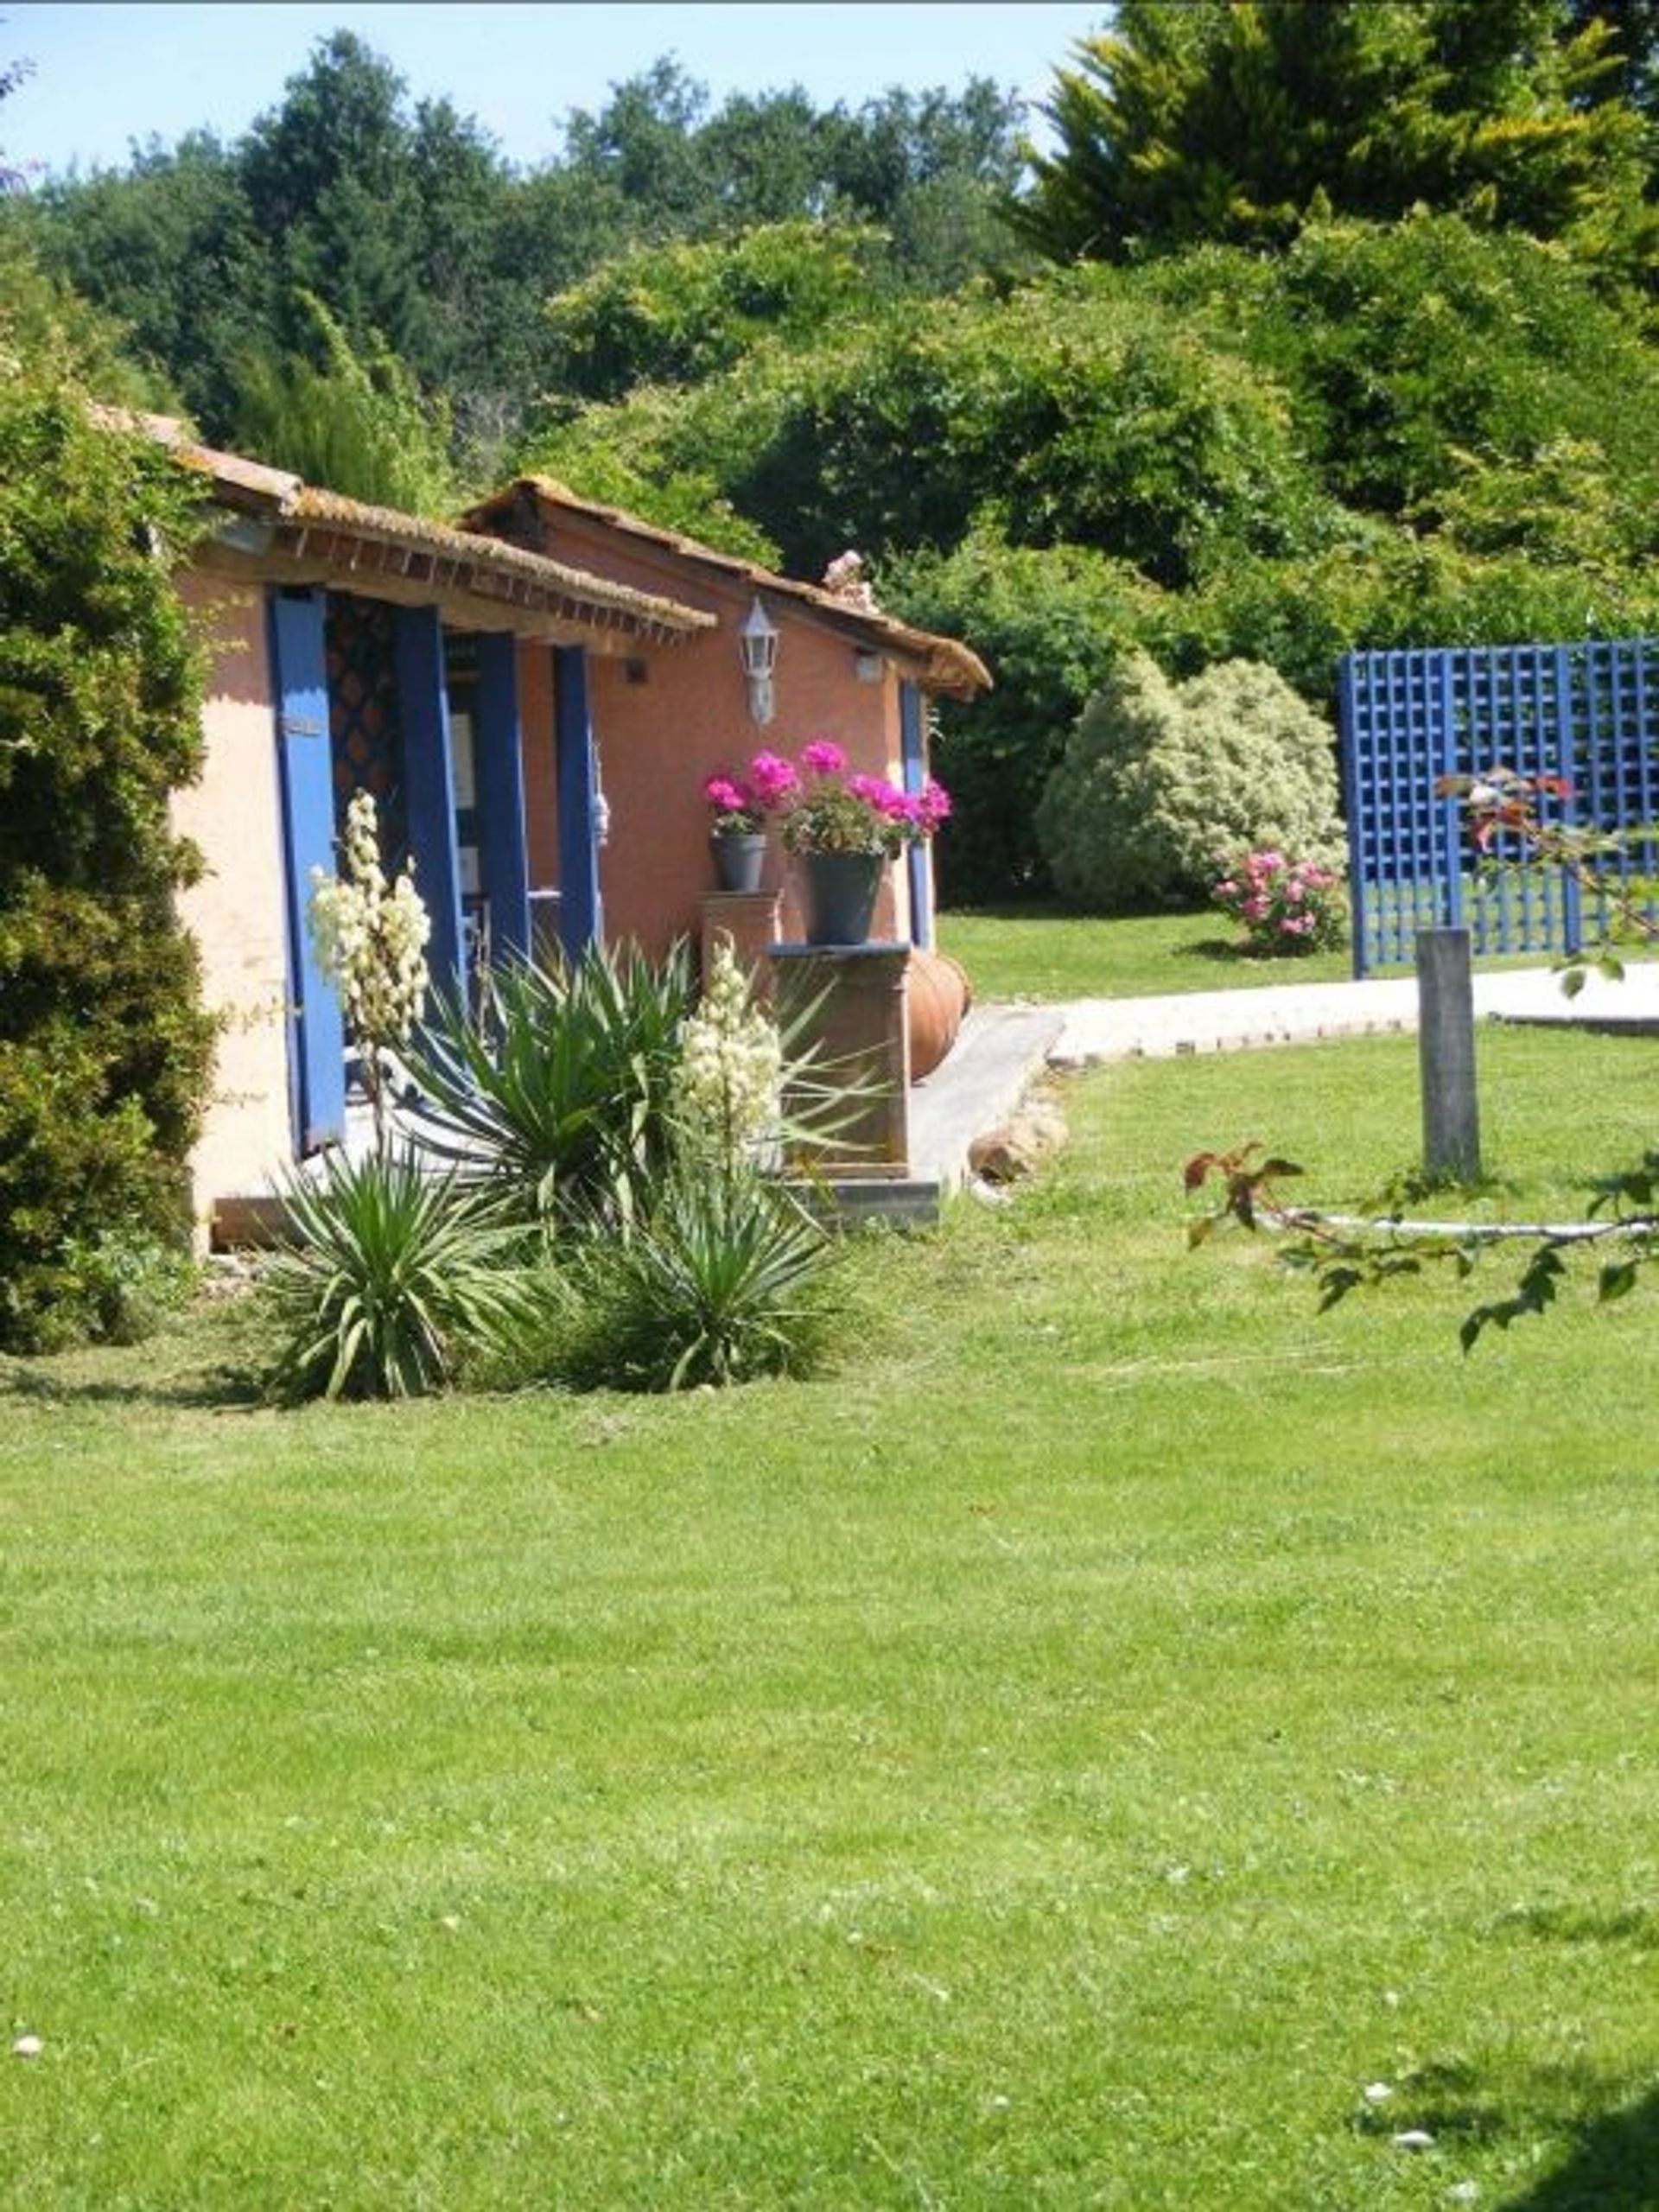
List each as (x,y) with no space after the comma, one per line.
(858,1022)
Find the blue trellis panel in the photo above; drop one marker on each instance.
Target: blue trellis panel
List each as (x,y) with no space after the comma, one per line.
(1585,712)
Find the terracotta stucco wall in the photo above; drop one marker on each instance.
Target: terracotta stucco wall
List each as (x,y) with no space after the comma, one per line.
(237,911)
(660,738)
(667,717)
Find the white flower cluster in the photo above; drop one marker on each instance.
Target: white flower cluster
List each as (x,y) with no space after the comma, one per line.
(370,937)
(727,1088)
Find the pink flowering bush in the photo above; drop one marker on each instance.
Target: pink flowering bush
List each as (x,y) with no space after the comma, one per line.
(743,802)
(1285,905)
(831,811)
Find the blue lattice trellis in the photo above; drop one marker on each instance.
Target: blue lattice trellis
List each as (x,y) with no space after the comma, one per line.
(1588,712)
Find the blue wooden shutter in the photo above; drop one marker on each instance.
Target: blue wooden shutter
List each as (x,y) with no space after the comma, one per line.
(498,760)
(316,1057)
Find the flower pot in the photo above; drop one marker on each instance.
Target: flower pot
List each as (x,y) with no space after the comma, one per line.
(739,858)
(838,893)
(938,996)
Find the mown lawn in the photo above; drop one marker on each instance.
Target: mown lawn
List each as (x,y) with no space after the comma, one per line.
(1064,1758)
(1043,952)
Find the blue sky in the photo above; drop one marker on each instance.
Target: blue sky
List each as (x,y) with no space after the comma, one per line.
(105,76)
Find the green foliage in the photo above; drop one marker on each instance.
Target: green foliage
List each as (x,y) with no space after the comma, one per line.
(390,1273)
(168,247)
(585,454)
(45,321)
(1632,27)
(557,1087)
(1405,349)
(725,1279)
(404,219)
(104,1047)
(1160,780)
(354,423)
(1209,121)
(118,1285)
(679,312)
(1049,622)
(575,1124)
(1073,410)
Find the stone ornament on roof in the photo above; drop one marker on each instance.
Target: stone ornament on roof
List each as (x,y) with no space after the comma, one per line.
(844,579)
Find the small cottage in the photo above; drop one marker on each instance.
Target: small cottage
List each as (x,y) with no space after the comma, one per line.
(357,648)
(535,698)
(781,664)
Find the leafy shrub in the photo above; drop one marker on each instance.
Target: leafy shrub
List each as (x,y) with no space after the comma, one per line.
(104,1048)
(1158,777)
(725,1280)
(715,1274)
(1049,622)
(121,1285)
(1406,348)
(557,1087)
(390,1274)
(1283,906)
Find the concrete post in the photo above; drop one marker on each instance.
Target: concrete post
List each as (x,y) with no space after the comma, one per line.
(1446,1050)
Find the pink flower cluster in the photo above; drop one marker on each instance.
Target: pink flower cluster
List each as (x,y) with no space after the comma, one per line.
(1285,905)
(742,803)
(822,808)
(834,812)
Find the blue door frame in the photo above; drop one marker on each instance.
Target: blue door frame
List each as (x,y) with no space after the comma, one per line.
(582,914)
(913,739)
(430,787)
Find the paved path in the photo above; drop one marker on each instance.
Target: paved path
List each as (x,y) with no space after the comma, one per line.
(1003,1049)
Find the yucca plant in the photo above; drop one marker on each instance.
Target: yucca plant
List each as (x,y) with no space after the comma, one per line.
(724,1281)
(387,1274)
(555,1088)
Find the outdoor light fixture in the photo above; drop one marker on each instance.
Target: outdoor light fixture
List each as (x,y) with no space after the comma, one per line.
(757,641)
(869,668)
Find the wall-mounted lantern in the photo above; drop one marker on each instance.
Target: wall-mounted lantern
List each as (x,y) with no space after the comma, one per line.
(757,641)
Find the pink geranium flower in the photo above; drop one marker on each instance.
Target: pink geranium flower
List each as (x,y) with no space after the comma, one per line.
(773,779)
(832,812)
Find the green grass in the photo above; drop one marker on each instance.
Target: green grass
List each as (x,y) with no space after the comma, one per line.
(1060,1760)
(1041,953)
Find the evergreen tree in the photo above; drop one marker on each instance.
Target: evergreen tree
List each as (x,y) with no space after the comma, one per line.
(1238,121)
(103,1045)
